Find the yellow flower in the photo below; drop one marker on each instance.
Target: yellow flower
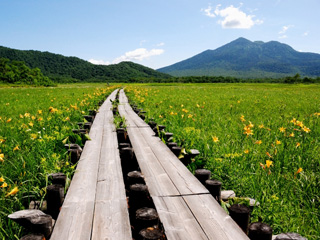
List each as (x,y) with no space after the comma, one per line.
(268,154)
(282,129)
(13,191)
(291,135)
(9,120)
(261,126)
(39,111)
(190,116)
(40,119)
(299,171)
(247,131)
(307,130)
(182,115)
(21,116)
(33,136)
(269,163)
(1,179)
(27,115)
(215,139)
(30,124)
(2,140)
(278,142)
(16,148)
(250,125)
(258,142)
(246,151)
(242,118)
(53,110)
(297,145)
(4,185)
(160,116)
(1,157)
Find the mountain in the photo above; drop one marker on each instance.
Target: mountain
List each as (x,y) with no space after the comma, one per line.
(61,69)
(246,59)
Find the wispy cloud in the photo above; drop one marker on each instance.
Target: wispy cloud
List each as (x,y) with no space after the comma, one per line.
(232,17)
(305,33)
(283,31)
(138,54)
(160,44)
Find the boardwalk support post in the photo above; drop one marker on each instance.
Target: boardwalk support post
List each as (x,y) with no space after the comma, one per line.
(260,231)
(214,187)
(241,215)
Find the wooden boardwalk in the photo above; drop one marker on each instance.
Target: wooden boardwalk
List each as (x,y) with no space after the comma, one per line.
(95,206)
(185,207)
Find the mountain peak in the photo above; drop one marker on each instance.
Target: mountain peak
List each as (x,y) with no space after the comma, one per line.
(247,59)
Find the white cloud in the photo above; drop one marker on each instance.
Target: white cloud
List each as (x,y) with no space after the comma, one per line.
(232,17)
(99,62)
(138,54)
(305,33)
(160,44)
(284,29)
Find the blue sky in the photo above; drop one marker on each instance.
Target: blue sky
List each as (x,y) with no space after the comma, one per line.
(154,33)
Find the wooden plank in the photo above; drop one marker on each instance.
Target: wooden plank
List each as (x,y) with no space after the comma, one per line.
(215,222)
(76,215)
(156,178)
(177,220)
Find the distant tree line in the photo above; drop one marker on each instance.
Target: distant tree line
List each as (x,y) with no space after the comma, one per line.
(221,79)
(16,72)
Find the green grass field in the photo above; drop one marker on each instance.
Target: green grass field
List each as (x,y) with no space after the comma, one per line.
(34,124)
(261,140)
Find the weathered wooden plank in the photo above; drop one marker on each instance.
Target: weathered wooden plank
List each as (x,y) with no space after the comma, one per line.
(76,215)
(177,219)
(158,182)
(215,222)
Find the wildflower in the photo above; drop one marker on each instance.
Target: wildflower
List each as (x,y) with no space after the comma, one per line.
(282,129)
(269,163)
(182,115)
(30,124)
(305,129)
(9,120)
(33,136)
(1,179)
(171,113)
(268,154)
(53,110)
(190,116)
(39,111)
(182,105)
(1,157)
(246,151)
(293,121)
(291,135)
(13,191)
(16,148)
(274,197)
(297,145)
(21,116)
(258,142)
(27,115)
(160,116)
(4,185)
(248,131)
(261,126)
(40,119)
(299,171)
(242,118)
(2,140)
(250,125)
(300,124)
(215,139)
(262,165)
(278,142)
(67,119)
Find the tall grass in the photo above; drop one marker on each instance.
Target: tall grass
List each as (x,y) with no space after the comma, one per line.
(261,140)
(34,125)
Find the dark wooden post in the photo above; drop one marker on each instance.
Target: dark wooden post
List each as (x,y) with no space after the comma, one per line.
(58,178)
(92,112)
(152,233)
(33,236)
(55,197)
(171,145)
(167,136)
(152,124)
(260,231)
(146,217)
(74,155)
(135,177)
(121,135)
(176,150)
(138,197)
(72,146)
(203,175)
(214,187)
(241,215)
(89,118)
(34,220)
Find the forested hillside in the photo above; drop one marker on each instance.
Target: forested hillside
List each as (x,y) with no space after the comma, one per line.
(71,69)
(16,72)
